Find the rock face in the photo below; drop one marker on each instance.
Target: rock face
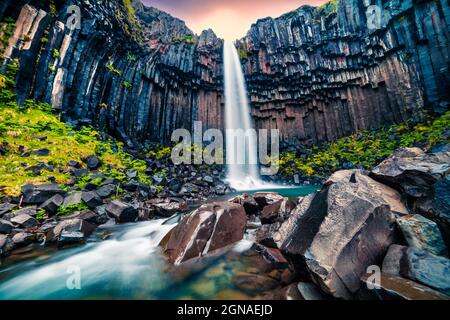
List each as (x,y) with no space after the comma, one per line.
(314,73)
(347,227)
(210,227)
(138,75)
(321,73)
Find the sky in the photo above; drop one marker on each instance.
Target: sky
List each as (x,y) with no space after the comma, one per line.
(230,19)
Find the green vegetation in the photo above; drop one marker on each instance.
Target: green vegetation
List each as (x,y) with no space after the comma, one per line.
(55,53)
(129,8)
(52,8)
(44,40)
(41,215)
(7,28)
(161,152)
(131,57)
(127,85)
(331,7)
(112,69)
(52,69)
(188,38)
(68,210)
(365,149)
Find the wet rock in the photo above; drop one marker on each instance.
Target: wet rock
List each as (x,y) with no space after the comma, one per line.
(397,288)
(436,207)
(426,268)
(92,162)
(91,199)
(51,205)
(422,233)
(412,171)
(220,189)
(71,230)
(251,283)
(122,212)
(6,244)
(38,194)
(23,238)
(106,191)
(248,202)
(73,199)
(265,235)
(346,228)
(277,211)
(24,220)
(131,186)
(166,207)
(210,227)
(5,227)
(175,185)
(309,291)
(265,198)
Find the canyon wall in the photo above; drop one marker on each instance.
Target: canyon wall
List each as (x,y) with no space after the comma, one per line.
(135,71)
(321,73)
(314,73)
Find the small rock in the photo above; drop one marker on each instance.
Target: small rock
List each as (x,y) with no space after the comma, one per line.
(5,227)
(24,220)
(41,152)
(91,199)
(265,198)
(38,194)
(208,179)
(51,205)
(74,164)
(106,191)
(6,207)
(73,199)
(92,162)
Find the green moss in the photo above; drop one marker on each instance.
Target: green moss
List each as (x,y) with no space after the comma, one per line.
(131,57)
(7,28)
(365,149)
(70,209)
(129,8)
(44,40)
(112,69)
(55,53)
(127,85)
(52,69)
(52,8)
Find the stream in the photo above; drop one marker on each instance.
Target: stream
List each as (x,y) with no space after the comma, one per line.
(119,262)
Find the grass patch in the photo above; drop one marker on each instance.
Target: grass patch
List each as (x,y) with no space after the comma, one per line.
(365,149)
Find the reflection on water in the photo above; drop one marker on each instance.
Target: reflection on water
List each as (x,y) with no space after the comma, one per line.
(125,262)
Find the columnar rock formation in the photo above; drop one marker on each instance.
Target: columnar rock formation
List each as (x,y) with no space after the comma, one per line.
(314,73)
(321,73)
(140,74)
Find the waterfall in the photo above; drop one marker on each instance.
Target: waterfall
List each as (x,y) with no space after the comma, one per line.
(241,154)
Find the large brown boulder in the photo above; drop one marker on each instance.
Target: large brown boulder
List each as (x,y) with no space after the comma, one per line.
(347,227)
(210,227)
(413,171)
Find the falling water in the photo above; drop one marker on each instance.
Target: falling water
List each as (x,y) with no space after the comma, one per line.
(243,172)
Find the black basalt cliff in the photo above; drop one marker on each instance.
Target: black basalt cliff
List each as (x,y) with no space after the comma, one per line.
(314,73)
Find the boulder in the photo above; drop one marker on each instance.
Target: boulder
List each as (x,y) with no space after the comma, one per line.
(265,198)
(5,227)
(38,194)
(426,268)
(106,191)
(23,238)
(252,283)
(71,230)
(422,233)
(277,212)
(91,199)
(390,195)
(24,220)
(122,212)
(51,205)
(265,235)
(248,202)
(412,171)
(436,207)
(92,162)
(31,211)
(210,227)
(396,288)
(347,227)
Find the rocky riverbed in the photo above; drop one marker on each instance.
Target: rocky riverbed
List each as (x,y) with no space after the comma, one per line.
(326,245)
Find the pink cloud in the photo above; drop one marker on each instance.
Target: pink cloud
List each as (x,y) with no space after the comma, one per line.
(230,19)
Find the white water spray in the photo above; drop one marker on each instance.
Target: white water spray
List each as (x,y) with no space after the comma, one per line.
(242,156)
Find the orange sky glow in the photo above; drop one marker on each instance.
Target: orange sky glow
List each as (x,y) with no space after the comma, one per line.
(230,19)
